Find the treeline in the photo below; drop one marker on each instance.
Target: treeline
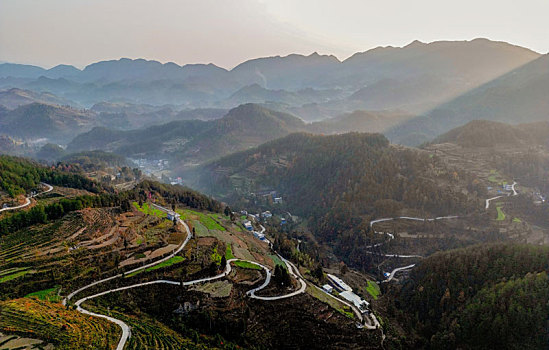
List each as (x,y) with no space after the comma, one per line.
(19,175)
(176,194)
(489,296)
(172,194)
(95,160)
(40,214)
(530,167)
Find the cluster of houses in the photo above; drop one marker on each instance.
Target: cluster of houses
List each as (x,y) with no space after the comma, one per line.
(269,195)
(151,166)
(249,227)
(264,216)
(176,181)
(346,292)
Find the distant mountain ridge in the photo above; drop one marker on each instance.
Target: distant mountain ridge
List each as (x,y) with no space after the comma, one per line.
(416,77)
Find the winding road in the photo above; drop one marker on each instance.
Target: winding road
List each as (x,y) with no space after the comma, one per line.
(509,194)
(126,332)
(392,274)
(391,236)
(28,199)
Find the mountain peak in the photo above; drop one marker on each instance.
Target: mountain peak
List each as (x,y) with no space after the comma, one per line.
(415,43)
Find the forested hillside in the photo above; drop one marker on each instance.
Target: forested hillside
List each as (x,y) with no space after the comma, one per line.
(481,297)
(19,175)
(35,121)
(194,141)
(341,182)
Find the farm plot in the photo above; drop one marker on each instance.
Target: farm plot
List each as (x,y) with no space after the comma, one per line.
(66,328)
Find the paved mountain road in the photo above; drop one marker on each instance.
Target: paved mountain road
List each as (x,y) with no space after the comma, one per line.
(28,199)
(126,332)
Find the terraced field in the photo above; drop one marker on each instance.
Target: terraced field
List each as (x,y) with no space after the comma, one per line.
(148,334)
(243,245)
(51,322)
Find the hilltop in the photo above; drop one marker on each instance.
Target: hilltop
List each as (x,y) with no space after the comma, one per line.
(35,121)
(483,133)
(360,121)
(14,98)
(194,141)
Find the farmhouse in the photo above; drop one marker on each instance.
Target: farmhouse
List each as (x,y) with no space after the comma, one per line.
(248,225)
(173,215)
(327,288)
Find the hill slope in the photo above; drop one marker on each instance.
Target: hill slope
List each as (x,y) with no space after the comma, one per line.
(194,141)
(518,96)
(339,183)
(55,123)
(481,297)
(14,98)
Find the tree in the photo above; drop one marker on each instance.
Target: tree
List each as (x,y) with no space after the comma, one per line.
(223,262)
(343,269)
(125,205)
(318,273)
(281,276)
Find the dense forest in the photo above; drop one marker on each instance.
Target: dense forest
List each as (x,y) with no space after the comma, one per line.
(339,183)
(19,175)
(480,297)
(95,160)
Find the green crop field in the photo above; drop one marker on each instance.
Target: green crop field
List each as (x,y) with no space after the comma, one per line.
(246,265)
(13,276)
(276,260)
(46,294)
(216,257)
(373,289)
(229,252)
(501,214)
(208,221)
(171,261)
(150,210)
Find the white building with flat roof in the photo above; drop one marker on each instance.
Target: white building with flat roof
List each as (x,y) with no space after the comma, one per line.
(338,283)
(360,303)
(327,288)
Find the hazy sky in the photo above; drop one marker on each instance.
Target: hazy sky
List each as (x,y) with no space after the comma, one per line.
(227,32)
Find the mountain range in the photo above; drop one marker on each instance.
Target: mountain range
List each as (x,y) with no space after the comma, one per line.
(415,78)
